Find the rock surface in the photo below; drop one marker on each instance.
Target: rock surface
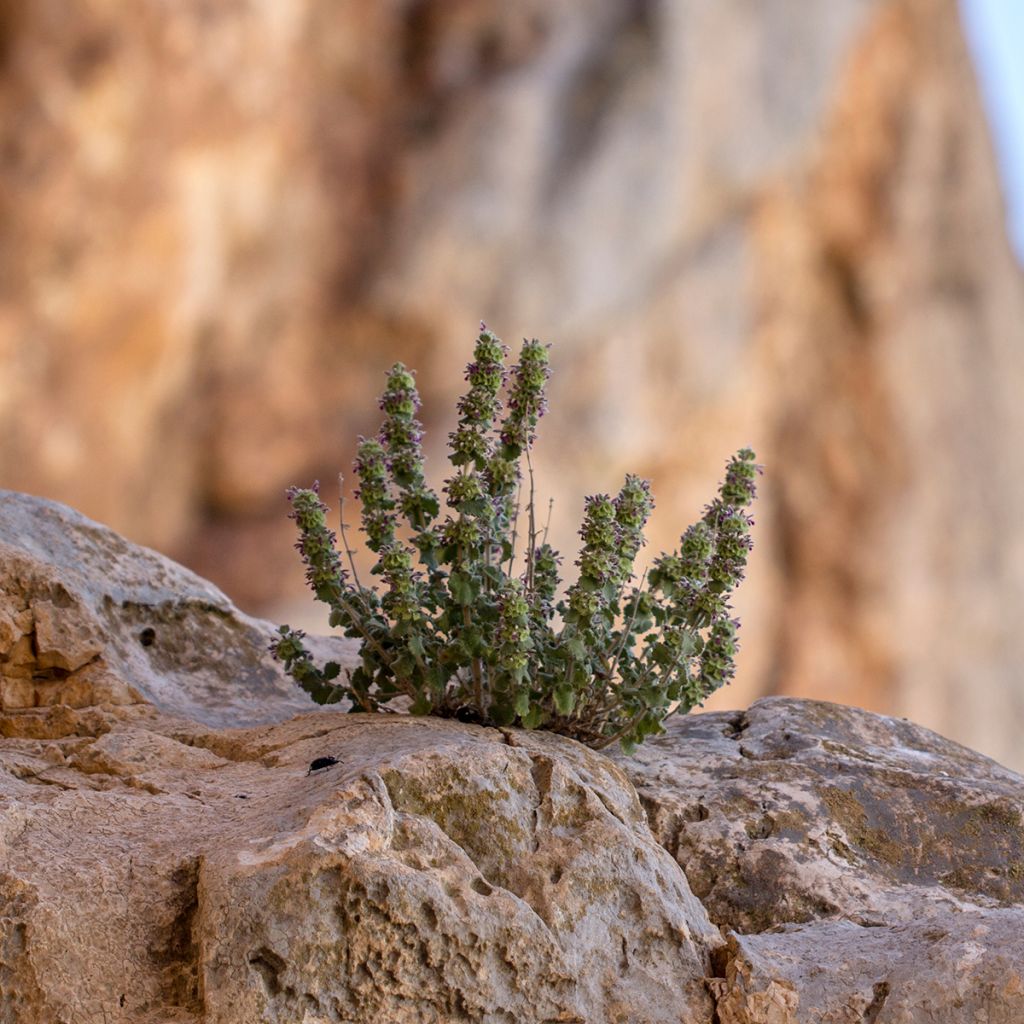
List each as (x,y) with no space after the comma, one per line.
(768,223)
(88,618)
(797,863)
(155,871)
(864,868)
(158,868)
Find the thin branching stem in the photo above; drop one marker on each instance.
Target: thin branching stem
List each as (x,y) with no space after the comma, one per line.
(344,538)
(547,523)
(531,553)
(515,527)
(628,627)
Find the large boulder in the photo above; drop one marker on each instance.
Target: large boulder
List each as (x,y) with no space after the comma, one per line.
(797,863)
(158,866)
(157,872)
(88,618)
(855,861)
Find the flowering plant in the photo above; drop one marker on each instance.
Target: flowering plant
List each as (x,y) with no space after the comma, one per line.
(467,626)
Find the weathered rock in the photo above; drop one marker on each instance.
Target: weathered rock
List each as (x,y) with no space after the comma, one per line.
(969,967)
(157,867)
(798,810)
(866,868)
(88,618)
(775,223)
(437,873)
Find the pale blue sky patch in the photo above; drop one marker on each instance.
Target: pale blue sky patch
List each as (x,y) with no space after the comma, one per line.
(995,30)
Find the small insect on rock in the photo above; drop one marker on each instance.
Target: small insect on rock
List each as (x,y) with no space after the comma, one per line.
(322,762)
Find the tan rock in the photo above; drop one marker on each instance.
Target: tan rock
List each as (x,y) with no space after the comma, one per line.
(437,873)
(864,868)
(157,867)
(89,618)
(796,811)
(968,968)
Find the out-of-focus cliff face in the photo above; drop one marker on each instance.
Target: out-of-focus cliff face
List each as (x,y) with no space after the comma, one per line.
(775,224)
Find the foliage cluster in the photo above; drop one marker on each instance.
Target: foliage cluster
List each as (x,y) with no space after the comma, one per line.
(467,625)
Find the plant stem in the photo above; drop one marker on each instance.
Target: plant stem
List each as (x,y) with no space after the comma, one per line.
(344,538)
(515,527)
(532,528)
(628,627)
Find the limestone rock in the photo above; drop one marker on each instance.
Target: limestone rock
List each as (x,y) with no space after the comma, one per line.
(87,618)
(966,968)
(865,868)
(798,810)
(797,863)
(156,866)
(437,873)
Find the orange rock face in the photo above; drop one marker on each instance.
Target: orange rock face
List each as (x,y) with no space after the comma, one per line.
(774,225)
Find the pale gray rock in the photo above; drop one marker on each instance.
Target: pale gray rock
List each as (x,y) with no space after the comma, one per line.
(797,863)
(968,968)
(437,873)
(863,867)
(797,811)
(88,618)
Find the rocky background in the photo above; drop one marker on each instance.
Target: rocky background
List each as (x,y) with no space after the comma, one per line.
(773,223)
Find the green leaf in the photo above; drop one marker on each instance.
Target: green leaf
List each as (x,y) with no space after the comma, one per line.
(502,713)
(463,588)
(533,718)
(577,648)
(331,670)
(421,705)
(474,507)
(523,703)
(565,699)
(494,574)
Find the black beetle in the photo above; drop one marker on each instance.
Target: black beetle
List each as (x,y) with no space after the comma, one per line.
(322,762)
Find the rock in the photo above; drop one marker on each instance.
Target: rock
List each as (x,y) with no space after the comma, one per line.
(863,867)
(772,223)
(158,866)
(87,618)
(797,863)
(799,810)
(437,873)
(968,968)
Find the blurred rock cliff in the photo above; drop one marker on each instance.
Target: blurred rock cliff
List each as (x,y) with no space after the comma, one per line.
(771,223)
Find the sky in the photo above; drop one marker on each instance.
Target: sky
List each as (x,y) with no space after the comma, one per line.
(995,29)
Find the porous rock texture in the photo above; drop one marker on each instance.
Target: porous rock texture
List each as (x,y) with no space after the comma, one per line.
(771,223)
(863,868)
(797,863)
(157,867)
